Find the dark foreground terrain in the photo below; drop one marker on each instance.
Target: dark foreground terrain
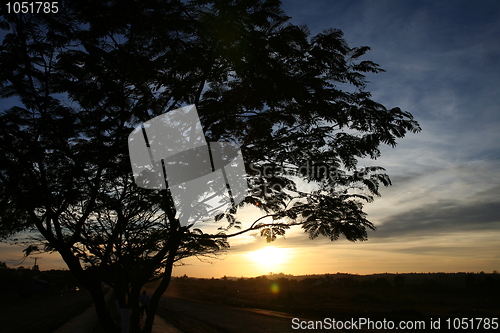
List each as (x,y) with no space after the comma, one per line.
(269,304)
(41,313)
(280,303)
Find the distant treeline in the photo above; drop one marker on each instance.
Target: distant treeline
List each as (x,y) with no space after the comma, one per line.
(23,282)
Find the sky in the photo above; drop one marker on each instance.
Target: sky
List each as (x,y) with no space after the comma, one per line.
(442,212)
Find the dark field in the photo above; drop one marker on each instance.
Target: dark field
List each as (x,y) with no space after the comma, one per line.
(241,305)
(377,297)
(41,313)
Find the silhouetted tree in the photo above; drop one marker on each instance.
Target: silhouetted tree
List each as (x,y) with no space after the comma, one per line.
(77,82)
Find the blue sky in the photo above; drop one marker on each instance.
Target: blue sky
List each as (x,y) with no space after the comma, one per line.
(442,212)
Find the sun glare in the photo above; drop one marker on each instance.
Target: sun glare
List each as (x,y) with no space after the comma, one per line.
(269,256)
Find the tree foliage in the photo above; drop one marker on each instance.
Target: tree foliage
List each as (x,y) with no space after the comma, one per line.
(76,83)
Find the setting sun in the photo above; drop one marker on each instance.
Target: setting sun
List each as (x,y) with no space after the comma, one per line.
(269,256)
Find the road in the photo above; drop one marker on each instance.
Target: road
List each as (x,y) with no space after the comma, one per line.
(197,317)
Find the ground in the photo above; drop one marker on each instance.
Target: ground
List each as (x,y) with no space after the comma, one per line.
(269,304)
(41,313)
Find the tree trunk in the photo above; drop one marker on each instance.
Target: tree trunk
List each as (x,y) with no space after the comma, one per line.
(103,313)
(155,299)
(135,315)
(94,286)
